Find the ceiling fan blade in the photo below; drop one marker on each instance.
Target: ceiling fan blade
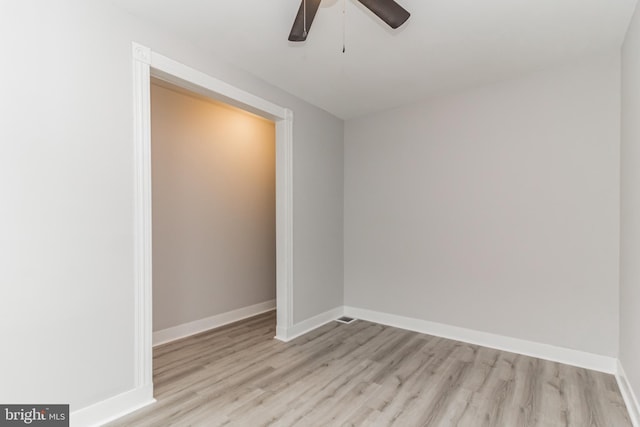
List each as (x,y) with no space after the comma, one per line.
(298,33)
(387,10)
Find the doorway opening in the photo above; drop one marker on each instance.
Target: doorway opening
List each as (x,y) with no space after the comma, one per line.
(213,213)
(148,64)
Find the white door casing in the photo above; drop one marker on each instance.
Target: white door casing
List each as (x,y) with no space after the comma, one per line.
(147,63)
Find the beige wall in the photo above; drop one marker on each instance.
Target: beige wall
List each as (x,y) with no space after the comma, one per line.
(494,209)
(630,208)
(213,169)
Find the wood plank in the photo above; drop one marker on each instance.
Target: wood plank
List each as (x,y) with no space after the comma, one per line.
(364,374)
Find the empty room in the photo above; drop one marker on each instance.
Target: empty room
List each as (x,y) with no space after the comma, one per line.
(446,231)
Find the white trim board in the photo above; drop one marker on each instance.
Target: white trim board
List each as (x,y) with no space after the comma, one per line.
(191,328)
(567,356)
(630,398)
(112,408)
(147,63)
(310,324)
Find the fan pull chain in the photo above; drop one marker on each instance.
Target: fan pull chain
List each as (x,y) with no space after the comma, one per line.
(344,26)
(304,18)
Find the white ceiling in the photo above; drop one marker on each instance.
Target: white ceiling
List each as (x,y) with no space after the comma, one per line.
(445,45)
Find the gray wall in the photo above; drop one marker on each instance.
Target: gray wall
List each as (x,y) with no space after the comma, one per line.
(214,225)
(630,210)
(494,209)
(66,179)
(318,174)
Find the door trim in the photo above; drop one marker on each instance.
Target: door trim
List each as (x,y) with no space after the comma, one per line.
(147,63)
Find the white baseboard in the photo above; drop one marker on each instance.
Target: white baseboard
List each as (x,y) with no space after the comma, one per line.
(630,399)
(120,405)
(308,325)
(567,356)
(112,408)
(186,329)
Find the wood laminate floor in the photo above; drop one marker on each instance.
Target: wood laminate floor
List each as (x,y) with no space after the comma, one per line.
(365,374)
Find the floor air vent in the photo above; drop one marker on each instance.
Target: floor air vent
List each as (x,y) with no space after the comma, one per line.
(345,319)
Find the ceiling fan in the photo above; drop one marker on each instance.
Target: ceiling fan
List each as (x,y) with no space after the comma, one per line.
(389,11)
